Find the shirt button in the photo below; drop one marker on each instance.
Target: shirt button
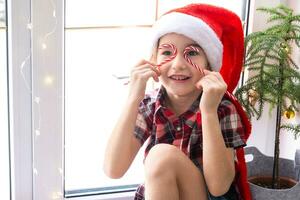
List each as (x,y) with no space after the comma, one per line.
(178,128)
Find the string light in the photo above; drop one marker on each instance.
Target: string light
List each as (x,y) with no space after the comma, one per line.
(44,46)
(48,80)
(37,132)
(56,195)
(35,171)
(60,170)
(37,100)
(22,73)
(29,26)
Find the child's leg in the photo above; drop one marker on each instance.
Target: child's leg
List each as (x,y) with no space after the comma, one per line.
(172,175)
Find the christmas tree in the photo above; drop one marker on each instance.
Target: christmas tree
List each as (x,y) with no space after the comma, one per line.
(273,75)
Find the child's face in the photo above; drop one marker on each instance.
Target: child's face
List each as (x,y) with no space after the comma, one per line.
(179,76)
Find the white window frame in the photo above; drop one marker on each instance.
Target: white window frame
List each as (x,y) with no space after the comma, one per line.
(4,134)
(37,159)
(20,100)
(36,74)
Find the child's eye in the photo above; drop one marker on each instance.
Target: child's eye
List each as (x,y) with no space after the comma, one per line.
(166,53)
(193,53)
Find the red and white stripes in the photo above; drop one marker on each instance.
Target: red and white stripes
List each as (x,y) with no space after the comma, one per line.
(186,55)
(188,59)
(173,53)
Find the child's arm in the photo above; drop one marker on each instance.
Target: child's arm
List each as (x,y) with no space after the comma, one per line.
(218,161)
(122,145)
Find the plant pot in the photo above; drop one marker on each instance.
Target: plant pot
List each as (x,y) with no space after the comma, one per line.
(266,181)
(261,168)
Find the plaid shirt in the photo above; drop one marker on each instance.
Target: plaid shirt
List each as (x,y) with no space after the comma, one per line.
(158,124)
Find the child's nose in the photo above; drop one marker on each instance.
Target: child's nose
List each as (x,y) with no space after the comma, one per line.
(179,62)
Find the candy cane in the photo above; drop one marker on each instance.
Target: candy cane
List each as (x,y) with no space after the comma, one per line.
(174,53)
(187,58)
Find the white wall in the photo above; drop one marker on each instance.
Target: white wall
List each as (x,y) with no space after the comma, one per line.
(263,130)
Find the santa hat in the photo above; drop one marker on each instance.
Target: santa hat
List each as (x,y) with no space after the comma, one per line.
(217,30)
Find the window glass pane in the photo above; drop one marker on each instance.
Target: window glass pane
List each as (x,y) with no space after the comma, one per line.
(93,100)
(4,141)
(109,13)
(94,97)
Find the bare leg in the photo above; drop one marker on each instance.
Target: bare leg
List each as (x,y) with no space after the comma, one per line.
(172,175)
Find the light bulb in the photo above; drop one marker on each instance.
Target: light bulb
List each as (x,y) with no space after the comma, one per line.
(56,195)
(35,171)
(60,170)
(48,80)
(37,132)
(37,100)
(29,26)
(44,46)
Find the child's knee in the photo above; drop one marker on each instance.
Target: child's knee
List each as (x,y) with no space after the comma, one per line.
(161,159)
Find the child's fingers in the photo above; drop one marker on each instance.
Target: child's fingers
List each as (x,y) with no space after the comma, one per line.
(202,83)
(206,72)
(144,72)
(214,75)
(147,64)
(155,68)
(151,73)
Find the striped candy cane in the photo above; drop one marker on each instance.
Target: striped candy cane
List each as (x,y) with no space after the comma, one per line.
(174,53)
(187,58)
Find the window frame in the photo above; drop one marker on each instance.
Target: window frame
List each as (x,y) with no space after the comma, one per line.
(19,100)
(30,136)
(4,151)
(28,22)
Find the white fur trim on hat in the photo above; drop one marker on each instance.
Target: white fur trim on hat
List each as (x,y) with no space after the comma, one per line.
(195,29)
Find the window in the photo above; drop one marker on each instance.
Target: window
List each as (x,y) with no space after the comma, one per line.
(4,136)
(103,40)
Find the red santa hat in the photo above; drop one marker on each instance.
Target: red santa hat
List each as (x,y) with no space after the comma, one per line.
(217,30)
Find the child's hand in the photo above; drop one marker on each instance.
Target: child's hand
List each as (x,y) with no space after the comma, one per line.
(140,74)
(213,88)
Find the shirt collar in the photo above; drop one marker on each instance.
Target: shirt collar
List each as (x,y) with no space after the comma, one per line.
(189,116)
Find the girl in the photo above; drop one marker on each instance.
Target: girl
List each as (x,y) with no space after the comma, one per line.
(192,124)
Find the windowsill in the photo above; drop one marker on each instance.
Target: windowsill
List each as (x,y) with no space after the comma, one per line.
(117,196)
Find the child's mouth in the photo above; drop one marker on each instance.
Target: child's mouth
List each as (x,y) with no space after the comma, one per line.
(179,77)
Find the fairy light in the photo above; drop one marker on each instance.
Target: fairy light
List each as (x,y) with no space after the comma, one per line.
(48,80)
(56,195)
(37,100)
(35,171)
(22,73)
(37,132)
(29,26)
(44,46)
(60,170)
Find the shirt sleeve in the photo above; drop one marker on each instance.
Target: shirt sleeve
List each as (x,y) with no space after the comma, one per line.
(143,123)
(231,125)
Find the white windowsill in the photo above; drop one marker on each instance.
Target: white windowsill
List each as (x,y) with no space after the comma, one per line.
(118,196)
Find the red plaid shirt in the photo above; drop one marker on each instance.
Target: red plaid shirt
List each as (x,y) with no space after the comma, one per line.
(158,124)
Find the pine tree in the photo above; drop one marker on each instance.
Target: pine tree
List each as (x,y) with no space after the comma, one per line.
(275,77)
